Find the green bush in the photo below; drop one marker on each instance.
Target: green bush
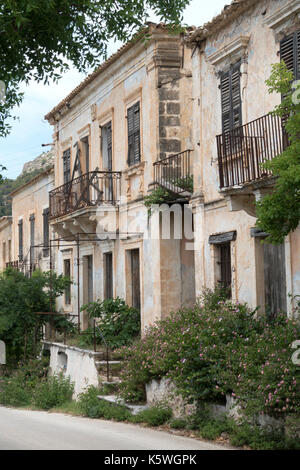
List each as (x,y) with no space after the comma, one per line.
(13,394)
(29,385)
(155,416)
(118,323)
(52,392)
(218,348)
(178,423)
(20,298)
(17,389)
(91,406)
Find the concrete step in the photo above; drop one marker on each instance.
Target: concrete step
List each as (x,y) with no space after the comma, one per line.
(115,367)
(135,409)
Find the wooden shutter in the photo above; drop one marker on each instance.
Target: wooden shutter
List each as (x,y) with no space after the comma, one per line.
(32,236)
(231,98)
(46,232)
(133,125)
(108,276)
(67,273)
(275,279)
(67,165)
(20,225)
(135,279)
(85,163)
(290,53)
(109,146)
(225,266)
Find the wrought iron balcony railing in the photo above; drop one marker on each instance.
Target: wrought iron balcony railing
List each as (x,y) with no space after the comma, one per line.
(174,173)
(24,266)
(89,190)
(242,150)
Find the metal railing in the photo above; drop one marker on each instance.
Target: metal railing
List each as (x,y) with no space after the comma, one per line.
(91,189)
(241,151)
(174,173)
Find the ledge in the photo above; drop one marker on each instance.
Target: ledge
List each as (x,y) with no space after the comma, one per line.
(283,14)
(73,348)
(235,49)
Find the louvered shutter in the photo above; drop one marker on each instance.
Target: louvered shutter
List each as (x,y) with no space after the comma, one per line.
(236,96)
(46,231)
(226,102)
(133,124)
(67,165)
(20,225)
(231,99)
(290,53)
(109,146)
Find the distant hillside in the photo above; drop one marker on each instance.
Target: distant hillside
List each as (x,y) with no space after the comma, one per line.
(42,162)
(30,170)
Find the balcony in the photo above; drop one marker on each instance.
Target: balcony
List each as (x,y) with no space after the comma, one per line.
(174,174)
(89,190)
(242,151)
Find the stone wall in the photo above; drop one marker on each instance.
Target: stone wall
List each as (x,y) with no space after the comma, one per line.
(73,362)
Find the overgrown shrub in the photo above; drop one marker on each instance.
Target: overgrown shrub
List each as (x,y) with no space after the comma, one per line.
(155,416)
(53,391)
(118,323)
(91,406)
(30,385)
(20,298)
(218,348)
(17,389)
(178,423)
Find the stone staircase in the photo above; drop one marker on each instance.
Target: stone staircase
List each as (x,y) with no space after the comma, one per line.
(109,370)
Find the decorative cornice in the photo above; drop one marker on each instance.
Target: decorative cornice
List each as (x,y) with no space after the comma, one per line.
(280,16)
(234,50)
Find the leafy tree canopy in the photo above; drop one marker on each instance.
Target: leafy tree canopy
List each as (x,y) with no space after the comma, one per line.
(278,213)
(20,298)
(39,38)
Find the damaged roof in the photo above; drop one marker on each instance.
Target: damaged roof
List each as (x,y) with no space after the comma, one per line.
(113,58)
(229,12)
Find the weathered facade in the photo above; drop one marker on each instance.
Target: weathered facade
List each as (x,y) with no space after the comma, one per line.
(5,241)
(233,134)
(111,134)
(30,224)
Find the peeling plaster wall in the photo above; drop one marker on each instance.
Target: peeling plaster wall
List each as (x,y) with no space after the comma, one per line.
(158,74)
(33,198)
(5,241)
(211,214)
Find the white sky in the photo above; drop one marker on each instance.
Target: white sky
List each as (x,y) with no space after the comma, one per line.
(24,142)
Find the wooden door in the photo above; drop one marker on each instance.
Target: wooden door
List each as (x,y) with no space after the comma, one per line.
(108,290)
(135,279)
(275,279)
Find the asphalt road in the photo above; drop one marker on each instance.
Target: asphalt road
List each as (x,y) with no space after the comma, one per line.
(39,430)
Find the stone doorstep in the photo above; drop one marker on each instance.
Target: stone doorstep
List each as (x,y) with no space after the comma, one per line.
(109,362)
(135,409)
(115,381)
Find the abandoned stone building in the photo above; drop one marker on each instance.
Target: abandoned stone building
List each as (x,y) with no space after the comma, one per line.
(113,134)
(29,227)
(233,134)
(187,113)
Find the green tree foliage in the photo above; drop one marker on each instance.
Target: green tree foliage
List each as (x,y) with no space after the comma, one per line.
(279,212)
(40,38)
(20,298)
(118,323)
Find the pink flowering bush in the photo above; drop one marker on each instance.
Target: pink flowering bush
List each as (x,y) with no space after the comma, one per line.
(218,348)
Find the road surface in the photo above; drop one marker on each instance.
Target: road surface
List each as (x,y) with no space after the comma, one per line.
(39,430)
